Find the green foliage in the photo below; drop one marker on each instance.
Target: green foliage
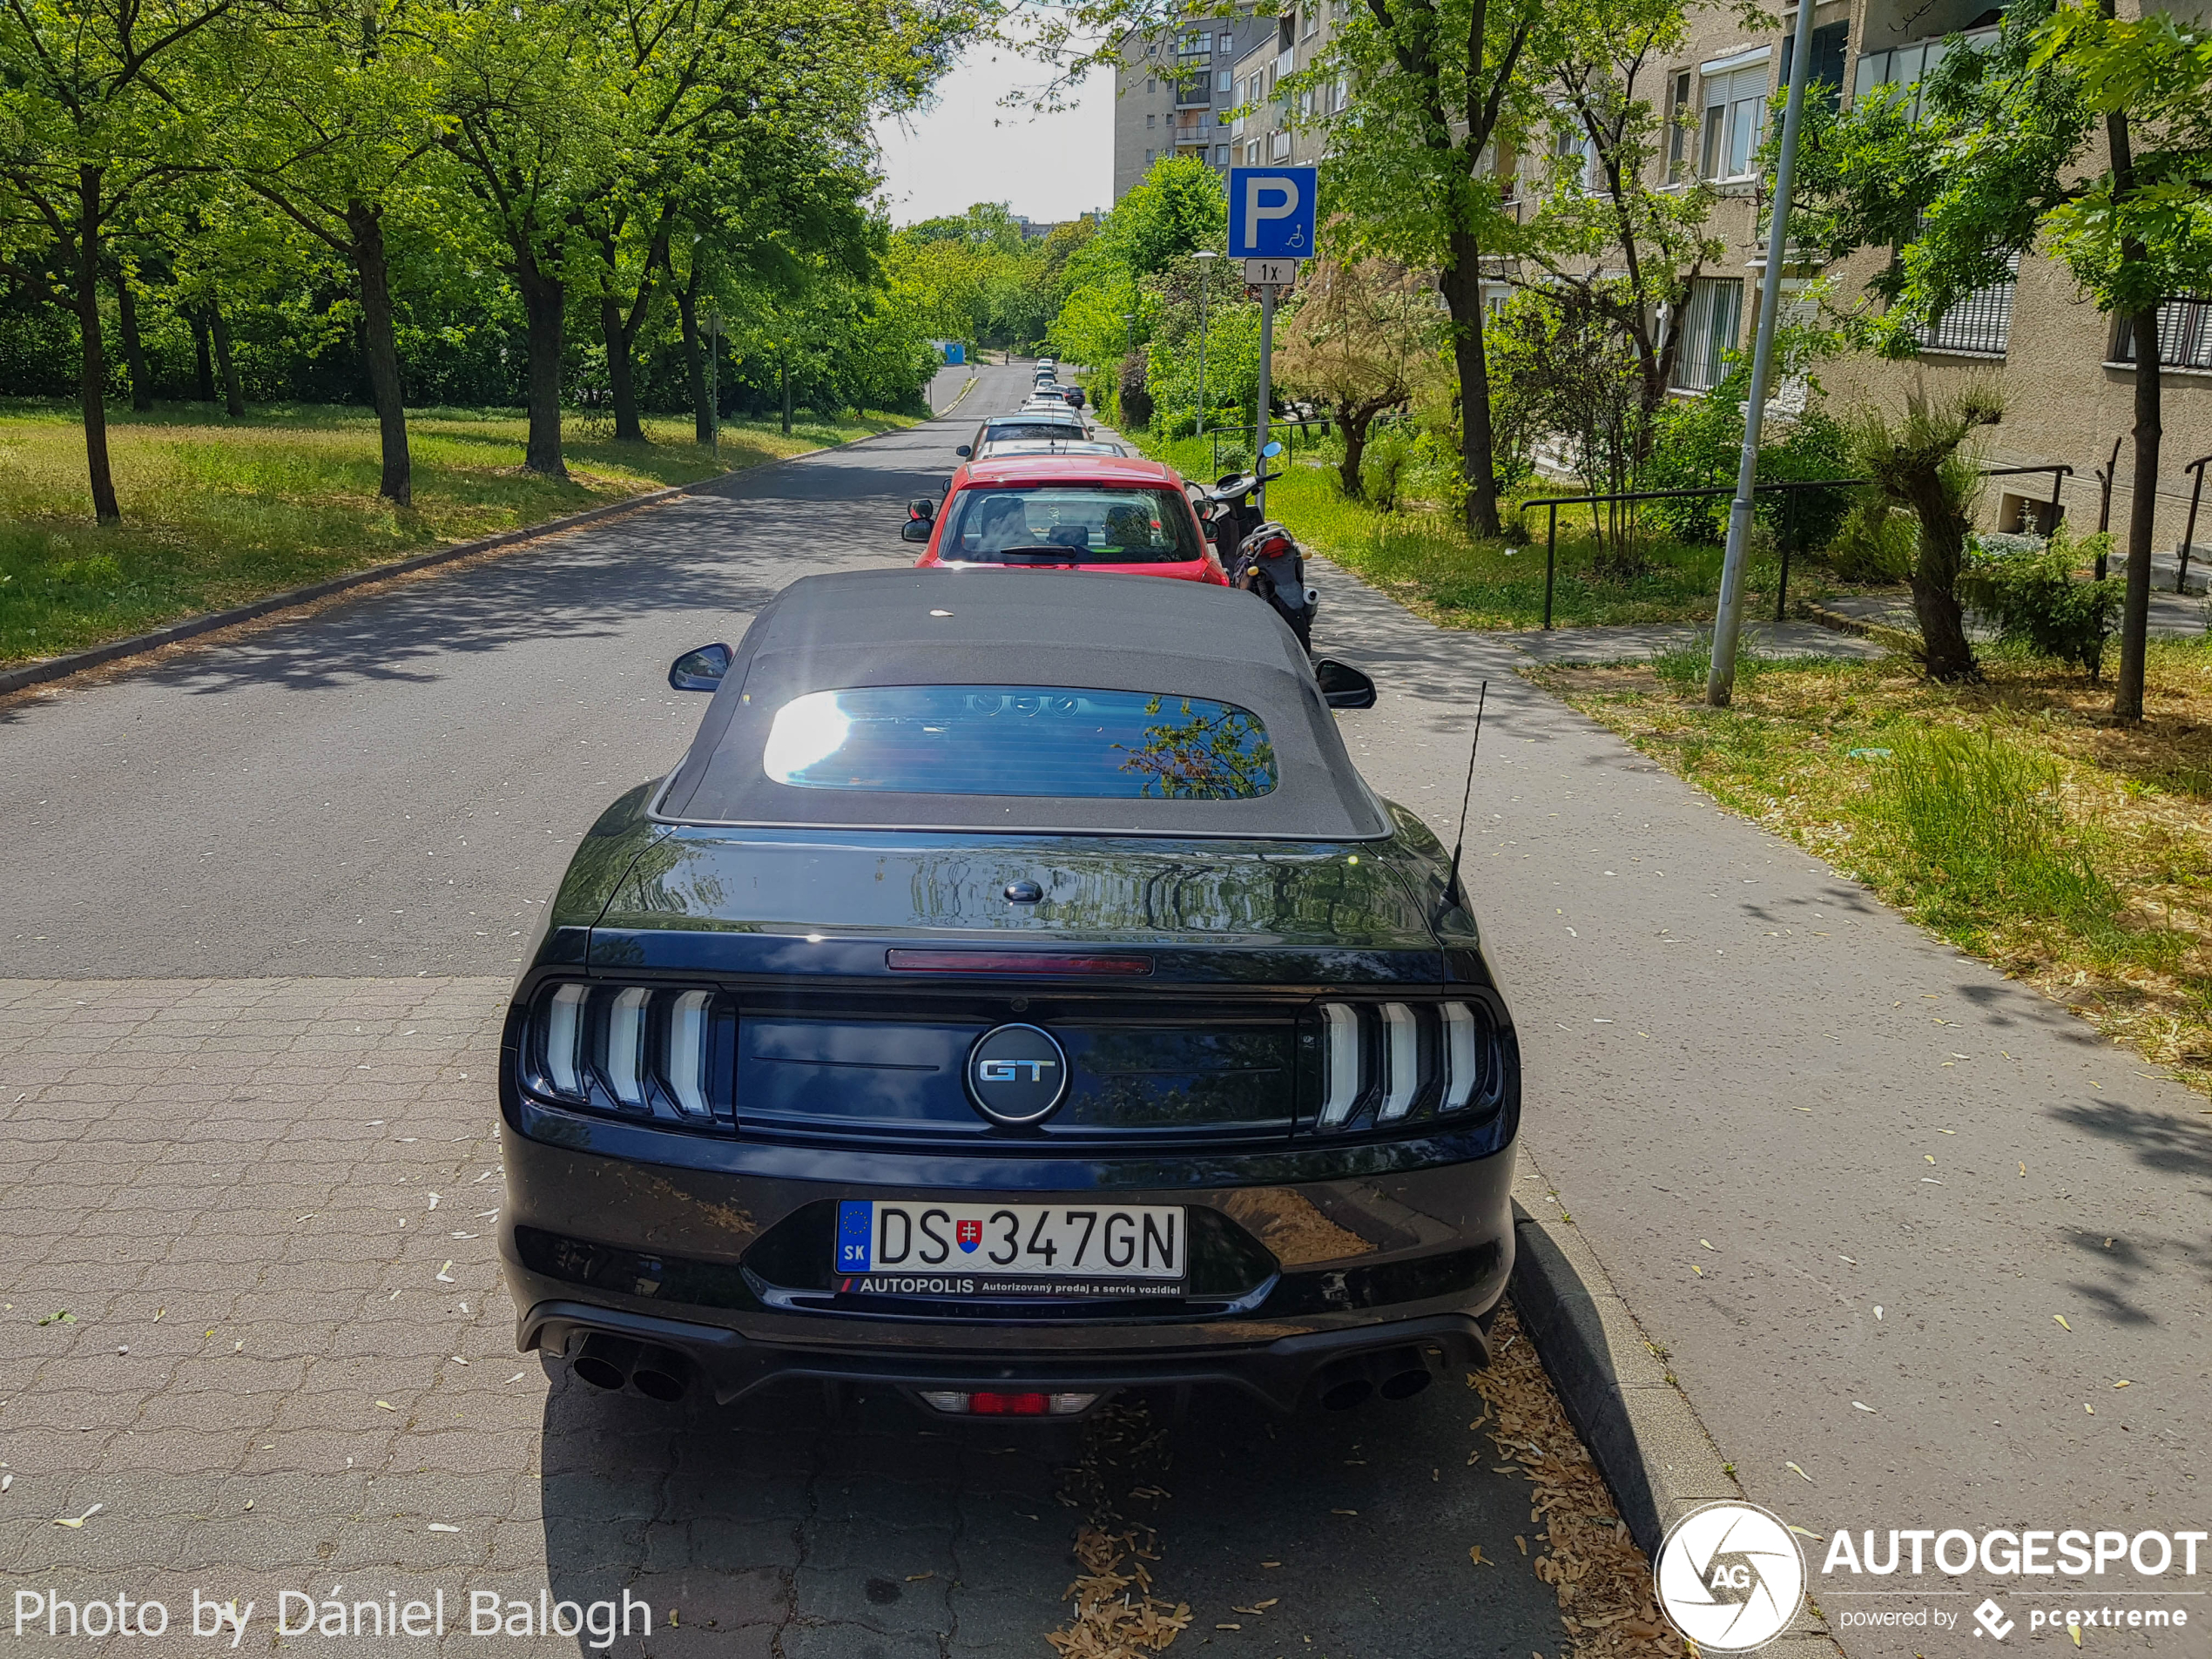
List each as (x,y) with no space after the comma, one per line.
(1873,543)
(1980,825)
(2036,600)
(1698,444)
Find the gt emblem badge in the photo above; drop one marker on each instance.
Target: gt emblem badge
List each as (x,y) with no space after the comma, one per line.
(969,1234)
(1016,1074)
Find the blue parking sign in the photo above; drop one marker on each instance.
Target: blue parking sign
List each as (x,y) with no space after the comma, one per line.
(1271,212)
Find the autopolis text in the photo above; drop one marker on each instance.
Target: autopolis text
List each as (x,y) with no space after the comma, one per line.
(224,1621)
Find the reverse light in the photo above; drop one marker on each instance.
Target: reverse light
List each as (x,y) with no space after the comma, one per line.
(1341,1039)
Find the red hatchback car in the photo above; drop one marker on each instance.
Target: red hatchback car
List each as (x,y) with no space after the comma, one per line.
(1116,514)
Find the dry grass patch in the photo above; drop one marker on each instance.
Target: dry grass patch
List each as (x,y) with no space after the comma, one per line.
(2011,818)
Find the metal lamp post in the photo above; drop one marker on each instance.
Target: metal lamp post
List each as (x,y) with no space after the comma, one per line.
(1205,256)
(1720,682)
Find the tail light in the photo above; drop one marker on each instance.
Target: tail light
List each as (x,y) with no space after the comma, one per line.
(1275,547)
(639,1050)
(1397,1061)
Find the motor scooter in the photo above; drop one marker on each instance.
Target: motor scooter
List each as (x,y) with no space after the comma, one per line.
(1259,556)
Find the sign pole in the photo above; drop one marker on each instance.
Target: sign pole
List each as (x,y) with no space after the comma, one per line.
(1266,376)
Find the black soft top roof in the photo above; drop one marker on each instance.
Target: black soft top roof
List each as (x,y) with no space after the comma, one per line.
(1097,632)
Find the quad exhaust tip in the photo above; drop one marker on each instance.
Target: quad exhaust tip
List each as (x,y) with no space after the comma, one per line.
(607,1363)
(1395,1373)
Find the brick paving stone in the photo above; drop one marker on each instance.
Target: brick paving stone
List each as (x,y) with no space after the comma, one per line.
(208,1150)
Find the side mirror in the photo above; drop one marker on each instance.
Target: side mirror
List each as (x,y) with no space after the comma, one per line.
(921,507)
(965,450)
(699,670)
(915,530)
(1272,450)
(1342,685)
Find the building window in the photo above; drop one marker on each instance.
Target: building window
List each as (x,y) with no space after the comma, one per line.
(1980,323)
(1710,318)
(1311,14)
(1221,155)
(1224,80)
(1148,157)
(1678,128)
(1904,66)
(2184,335)
(1572,142)
(1828,44)
(1151,120)
(1734,121)
(1227,42)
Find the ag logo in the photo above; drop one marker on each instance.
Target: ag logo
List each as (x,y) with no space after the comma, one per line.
(1730,1577)
(1016,1074)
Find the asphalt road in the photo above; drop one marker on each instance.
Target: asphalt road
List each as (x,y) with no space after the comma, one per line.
(262,904)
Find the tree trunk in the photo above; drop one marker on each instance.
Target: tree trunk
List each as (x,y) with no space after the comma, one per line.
(544,303)
(134,351)
(203,365)
(1462,283)
(219,328)
(786,380)
(687,310)
(93,383)
(1355,427)
(1946,653)
(621,384)
(381,351)
(2142,513)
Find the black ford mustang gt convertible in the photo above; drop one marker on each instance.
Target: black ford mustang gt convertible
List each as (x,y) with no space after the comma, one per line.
(1014,997)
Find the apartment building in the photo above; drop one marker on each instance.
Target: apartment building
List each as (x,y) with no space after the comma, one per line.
(2068,377)
(1170,98)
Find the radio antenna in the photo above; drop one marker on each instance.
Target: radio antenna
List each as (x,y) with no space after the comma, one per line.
(1451,886)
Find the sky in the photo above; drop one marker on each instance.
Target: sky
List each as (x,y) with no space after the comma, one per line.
(965,149)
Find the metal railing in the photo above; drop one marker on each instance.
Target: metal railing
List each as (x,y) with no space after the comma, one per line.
(1289,428)
(2189,535)
(1787,488)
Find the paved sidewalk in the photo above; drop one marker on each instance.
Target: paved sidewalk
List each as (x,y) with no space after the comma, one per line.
(1638,643)
(1773,1105)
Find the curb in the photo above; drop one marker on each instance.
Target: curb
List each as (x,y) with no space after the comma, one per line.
(1896,638)
(54,668)
(1641,1428)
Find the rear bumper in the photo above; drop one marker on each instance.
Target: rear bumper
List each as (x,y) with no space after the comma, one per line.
(1393,1253)
(1281,1374)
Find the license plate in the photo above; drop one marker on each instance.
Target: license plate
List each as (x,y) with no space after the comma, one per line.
(985,1249)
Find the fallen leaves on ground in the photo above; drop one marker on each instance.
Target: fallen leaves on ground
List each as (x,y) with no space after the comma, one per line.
(1600,1577)
(1116,1615)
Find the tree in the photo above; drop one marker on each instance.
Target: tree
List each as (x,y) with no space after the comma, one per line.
(1364,338)
(1414,168)
(88,127)
(1631,249)
(337,117)
(2006,152)
(1924,463)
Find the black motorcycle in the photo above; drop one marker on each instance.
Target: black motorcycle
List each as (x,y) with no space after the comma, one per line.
(1260,555)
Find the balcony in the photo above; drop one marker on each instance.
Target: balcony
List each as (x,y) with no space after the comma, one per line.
(1906,65)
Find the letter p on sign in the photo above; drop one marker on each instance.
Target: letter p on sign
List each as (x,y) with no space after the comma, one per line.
(1271,211)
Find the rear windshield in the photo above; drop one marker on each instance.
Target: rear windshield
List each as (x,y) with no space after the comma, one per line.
(1069,524)
(1019,740)
(1000,431)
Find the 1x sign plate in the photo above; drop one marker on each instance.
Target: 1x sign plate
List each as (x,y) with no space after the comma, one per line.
(1281,273)
(1099,1244)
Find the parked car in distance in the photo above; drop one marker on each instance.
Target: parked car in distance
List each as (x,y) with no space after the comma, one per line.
(1047,422)
(999,448)
(1112,514)
(1012,999)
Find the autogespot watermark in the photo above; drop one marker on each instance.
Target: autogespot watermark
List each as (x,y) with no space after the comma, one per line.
(1732,1576)
(224,1621)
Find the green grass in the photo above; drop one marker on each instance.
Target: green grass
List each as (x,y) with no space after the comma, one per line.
(1426,558)
(218,513)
